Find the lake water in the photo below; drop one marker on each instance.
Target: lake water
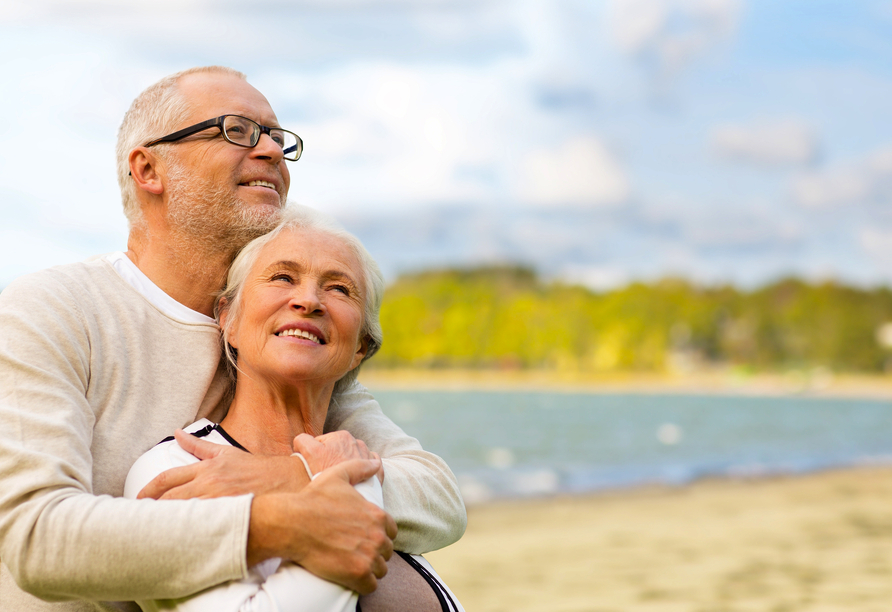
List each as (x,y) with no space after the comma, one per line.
(541,443)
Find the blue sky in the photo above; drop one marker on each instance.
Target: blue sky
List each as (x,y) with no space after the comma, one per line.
(600,142)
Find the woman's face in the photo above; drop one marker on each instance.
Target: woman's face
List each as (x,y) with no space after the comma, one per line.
(302,310)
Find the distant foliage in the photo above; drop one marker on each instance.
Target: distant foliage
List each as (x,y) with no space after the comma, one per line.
(506,317)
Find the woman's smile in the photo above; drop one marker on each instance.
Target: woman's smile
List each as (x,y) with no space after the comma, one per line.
(302,330)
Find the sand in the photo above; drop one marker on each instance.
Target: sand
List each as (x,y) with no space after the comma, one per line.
(821,542)
(718,381)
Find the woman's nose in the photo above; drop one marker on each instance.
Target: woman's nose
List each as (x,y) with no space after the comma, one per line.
(307,299)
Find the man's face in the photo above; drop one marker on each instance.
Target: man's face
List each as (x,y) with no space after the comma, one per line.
(218,192)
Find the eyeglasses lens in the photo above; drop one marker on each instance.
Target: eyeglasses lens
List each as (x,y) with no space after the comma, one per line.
(241,131)
(246,133)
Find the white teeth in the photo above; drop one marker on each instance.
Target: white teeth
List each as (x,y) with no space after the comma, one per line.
(261,184)
(299,333)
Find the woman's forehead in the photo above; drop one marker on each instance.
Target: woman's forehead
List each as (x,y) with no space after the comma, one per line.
(310,249)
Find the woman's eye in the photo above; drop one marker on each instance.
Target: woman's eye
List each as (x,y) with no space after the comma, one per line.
(340,288)
(283,277)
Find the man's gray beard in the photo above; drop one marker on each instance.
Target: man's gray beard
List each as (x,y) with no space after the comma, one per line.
(209,219)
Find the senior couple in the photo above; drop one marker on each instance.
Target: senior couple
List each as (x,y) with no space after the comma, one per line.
(100,361)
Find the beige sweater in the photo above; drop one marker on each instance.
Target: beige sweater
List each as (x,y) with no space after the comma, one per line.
(92,374)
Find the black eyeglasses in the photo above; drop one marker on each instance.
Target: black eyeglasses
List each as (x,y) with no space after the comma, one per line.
(242,132)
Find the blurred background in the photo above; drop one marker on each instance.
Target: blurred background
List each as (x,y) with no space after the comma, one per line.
(596,142)
(639,254)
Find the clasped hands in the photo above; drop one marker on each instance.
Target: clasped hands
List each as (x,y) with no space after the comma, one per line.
(324,525)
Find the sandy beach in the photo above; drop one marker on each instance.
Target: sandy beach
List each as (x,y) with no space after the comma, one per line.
(720,381)
(821,542)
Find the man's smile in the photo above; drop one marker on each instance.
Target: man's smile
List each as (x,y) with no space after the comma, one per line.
(260,184)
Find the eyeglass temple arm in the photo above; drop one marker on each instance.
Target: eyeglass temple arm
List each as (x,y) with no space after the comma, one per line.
(198,127)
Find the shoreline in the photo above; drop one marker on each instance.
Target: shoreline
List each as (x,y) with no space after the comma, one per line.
(812,384)
(817,541)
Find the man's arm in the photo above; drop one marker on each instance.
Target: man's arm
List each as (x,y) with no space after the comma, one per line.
(58,540)
(420,491)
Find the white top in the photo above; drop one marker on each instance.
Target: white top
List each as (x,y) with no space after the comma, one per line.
(270,586)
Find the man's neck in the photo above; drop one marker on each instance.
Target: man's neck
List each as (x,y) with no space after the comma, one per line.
(191,278)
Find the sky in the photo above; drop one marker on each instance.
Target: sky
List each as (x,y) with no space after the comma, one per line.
(722,141)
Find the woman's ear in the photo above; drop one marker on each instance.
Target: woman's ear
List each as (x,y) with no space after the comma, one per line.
(223,311)
(361,350)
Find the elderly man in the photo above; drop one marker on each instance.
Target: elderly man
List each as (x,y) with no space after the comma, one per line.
(100,360)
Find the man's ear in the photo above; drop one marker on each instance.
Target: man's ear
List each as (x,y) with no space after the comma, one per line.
(144,170)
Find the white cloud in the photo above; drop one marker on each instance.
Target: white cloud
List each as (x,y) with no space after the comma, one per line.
(877,242)
(636,24)
(832,187)
(404,135)
(582,172)
(670,33)
(36,10)
(780,143)
(863,181)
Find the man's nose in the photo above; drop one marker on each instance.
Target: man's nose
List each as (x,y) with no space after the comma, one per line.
(266,148)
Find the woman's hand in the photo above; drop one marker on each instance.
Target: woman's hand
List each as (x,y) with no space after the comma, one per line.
(333,448)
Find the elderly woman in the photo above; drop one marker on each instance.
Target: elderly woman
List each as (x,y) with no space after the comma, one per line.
(299,315)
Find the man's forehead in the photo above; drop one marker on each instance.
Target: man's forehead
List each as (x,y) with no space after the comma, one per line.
(213,94)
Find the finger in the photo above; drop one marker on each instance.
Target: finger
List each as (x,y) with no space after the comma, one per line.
(379,568)
(363,449)
(167,480)
(305,444)
(391,530)
(340,435)
(198,447)
(380,473)
(358,470)
(365,585)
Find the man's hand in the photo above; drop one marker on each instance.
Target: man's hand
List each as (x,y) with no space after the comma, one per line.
(225,471)
(333,448)
(328,528)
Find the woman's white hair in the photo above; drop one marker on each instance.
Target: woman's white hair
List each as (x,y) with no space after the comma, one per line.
(306,219)
(156,112)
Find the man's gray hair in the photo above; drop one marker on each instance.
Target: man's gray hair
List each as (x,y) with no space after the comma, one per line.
(155,112)
(307,219)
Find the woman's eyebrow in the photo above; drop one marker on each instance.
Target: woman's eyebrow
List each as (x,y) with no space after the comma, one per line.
(288,264)
(284,263)
(339,275)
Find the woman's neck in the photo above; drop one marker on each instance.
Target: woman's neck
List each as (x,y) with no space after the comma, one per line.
(265,418)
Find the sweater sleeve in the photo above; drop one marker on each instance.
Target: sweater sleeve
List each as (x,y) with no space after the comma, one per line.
(58,539)
(420,491)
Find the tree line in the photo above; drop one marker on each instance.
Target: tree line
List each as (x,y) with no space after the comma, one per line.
(507,317)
